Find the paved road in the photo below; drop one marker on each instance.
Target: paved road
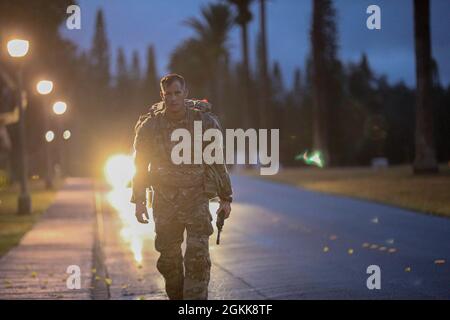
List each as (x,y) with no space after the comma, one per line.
(282,242)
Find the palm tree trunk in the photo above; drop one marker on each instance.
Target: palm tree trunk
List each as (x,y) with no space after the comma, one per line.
(425,157)
(319,113)
(265,95)
(247,110)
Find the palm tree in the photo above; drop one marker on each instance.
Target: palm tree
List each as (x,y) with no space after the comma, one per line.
(100,52)
(151,83)
(213,28)
(188,59)
(425,158)
(243,18)
(324,49)
(212,32)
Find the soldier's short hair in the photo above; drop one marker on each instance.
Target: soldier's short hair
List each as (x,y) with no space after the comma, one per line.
(171,78)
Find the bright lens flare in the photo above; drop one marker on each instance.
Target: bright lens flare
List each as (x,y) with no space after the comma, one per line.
(133,234)
(119,170)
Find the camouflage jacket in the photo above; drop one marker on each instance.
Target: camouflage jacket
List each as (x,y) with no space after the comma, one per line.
(152,146)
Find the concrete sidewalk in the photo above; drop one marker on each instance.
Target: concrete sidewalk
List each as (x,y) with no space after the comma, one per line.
(64,236)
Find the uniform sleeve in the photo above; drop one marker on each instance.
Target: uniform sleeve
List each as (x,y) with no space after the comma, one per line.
(142,148)
(225,191)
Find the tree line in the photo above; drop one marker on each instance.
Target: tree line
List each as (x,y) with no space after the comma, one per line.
(347,110)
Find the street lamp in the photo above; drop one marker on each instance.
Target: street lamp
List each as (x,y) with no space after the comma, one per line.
(45,87)
(67,134)
(18,48)
(49,136)
(59,107)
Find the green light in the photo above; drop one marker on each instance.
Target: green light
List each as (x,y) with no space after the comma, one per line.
(315,158)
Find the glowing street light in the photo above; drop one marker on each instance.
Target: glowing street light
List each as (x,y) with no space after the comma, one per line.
(67,134)
(18,48)
(59,107)
(49,136)
(44,87)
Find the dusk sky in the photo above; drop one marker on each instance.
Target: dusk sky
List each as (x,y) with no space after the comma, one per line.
(134,24)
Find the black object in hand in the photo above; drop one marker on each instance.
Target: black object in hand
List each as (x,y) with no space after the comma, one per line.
(219,224)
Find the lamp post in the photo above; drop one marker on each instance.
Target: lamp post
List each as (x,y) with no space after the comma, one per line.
(59,108)
(67,134)
(17,49)
(45,87)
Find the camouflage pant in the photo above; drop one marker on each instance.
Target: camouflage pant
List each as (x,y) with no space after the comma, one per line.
(172,217)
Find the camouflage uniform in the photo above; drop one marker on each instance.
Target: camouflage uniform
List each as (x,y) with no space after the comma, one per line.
(181,201)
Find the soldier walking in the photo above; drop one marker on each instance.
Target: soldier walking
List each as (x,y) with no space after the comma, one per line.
(181,192)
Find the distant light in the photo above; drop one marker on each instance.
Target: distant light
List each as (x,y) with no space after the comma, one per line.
(315,158)
(67,134)
(18,48)
(49,136)
(44,86)
(119,170)
(59,107)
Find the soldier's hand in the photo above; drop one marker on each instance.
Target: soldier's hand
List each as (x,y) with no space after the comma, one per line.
(226,207)
(141,210)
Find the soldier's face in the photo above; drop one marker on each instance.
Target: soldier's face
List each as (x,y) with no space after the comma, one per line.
(173,96)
